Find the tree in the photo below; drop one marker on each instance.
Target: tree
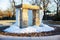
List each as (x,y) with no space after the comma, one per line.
(57,3)
(45,4)
(13,7)
(1,12)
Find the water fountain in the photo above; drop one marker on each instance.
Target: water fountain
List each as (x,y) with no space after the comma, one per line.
(22,25)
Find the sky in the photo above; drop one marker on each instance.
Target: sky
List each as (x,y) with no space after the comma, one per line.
(52,7)
(5,4)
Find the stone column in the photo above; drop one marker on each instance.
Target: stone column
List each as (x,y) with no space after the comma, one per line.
(34,16)
(18,17)
(36,19)
(24,18)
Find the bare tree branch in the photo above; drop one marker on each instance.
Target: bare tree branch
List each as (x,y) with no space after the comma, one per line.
(55,1)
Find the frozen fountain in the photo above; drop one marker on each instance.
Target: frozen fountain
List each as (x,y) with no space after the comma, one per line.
(28,24)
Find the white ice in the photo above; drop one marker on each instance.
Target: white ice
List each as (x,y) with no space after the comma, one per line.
(30,29)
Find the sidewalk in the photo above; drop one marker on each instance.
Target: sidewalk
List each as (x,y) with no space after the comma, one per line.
(5,24)
(52,23)
(56,37)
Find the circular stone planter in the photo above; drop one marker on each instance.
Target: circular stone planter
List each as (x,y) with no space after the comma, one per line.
(49,33)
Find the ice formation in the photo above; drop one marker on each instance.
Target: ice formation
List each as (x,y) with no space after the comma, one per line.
(29,29)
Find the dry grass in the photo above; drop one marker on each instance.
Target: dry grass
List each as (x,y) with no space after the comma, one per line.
(6,22)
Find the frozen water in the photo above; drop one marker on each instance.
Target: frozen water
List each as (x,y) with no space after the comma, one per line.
(30,29)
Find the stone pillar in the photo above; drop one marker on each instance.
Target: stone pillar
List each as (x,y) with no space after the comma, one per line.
(18,17)
(24,18)
(34,16)
(36,19)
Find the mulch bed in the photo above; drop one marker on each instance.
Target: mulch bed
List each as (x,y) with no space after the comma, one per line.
(55,32)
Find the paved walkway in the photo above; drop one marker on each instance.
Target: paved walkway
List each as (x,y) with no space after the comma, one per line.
(56,37)
(5,24)
(52,23)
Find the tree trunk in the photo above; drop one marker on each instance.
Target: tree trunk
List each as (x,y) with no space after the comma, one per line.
(13,4)
(44,12)
(44,7)
(57,9)
(14,12)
